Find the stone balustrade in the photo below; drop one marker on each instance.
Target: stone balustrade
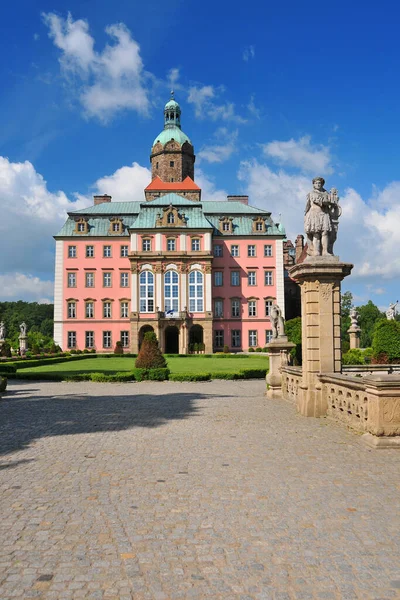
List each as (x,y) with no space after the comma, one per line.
(291,379)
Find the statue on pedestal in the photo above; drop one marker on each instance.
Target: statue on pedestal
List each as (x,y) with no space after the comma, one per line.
(23,329)
(354,317)
(278,324)
(391,311)
(2,332)
(321,219)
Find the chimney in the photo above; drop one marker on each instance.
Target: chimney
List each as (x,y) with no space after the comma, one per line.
(101,199)
(299,246)
(242,199)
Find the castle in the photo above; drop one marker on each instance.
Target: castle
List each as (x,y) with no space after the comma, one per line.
(191,270)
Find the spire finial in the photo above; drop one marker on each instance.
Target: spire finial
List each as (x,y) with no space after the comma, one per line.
(172,95)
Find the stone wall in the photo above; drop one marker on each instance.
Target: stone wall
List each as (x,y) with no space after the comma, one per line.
(291,380)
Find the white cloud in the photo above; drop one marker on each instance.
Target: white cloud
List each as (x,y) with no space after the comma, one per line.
(203,100)
(301,154)
(248,53)
(173,77)
(106,82)
(252,108)
(209,191)
(217,153)
(126,184)
(17,285)
(369,229)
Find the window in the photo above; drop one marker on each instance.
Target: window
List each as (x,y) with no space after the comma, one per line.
(171,163)
(89,310)
(226,227)
(125,339)
(268,306)
(124,279)
(156,165)
(218,308)
(89,251)
(267,250)
(235,307)
(89,279)
(219,339)
(124,310)
(195,245)
(146,245)
(71,251)
(252,308)
(171,244)
(171,218)
(124,251)
(81,227)
(71,339)
(107,310)
(89,339)
(235,250)
(106,339)
(107,251)
(251,250)
(252,278)
(252,338)
(106,279)
(171,291)
(268,336)
(235,278)
(195,291)
(71,310)
(218,250)
(268,277)
(146,287)
(218,278)
(236,343)
(259,226)
(115,227)
(71,280)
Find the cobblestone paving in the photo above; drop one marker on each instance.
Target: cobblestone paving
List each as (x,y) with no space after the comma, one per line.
(165,491)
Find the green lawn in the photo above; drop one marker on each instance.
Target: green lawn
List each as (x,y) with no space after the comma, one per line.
(196,364)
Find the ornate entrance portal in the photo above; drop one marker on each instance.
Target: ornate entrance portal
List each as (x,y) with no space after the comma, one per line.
(171,340)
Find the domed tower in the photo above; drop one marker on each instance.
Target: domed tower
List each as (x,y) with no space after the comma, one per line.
(172,155)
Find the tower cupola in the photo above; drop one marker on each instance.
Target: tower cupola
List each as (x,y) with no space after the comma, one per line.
(172,113)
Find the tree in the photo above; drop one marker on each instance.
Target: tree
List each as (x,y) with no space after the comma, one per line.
(369,315)
(386,341)
(346,304)
(150,356)
(293,332)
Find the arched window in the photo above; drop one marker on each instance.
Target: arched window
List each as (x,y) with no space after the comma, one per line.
(171,291)
(146,281)
(195,291)
(171,218)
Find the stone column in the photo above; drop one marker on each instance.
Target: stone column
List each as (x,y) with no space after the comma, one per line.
(354,332)
(319,278)
(23,344)
(278,355)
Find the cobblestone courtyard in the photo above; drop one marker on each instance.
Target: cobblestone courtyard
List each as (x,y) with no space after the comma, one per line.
(163,491)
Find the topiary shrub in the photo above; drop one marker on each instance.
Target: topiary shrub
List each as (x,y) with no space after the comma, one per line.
(226,349)
(150,356)
(353,357)
(196,348)
(118,348)
(386,340)
(6,350)
(258,349)
(202,347)
(251,350)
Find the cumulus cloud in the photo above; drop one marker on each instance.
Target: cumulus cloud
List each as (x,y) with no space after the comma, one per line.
(17,285)
(300,153)
(126,184)
(204,100)
(369,231)
(106,82)
(248,53)
(221,151)
(209,190)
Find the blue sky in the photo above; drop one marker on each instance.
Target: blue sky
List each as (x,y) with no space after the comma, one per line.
(271,94)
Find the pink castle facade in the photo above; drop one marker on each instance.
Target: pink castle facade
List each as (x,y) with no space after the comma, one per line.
(194,271)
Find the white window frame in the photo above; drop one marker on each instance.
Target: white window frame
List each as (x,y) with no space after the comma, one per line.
(268,336)
(252,278)
(268,278)
(195,242)
(89,277)
(171,242)
(251,250)
(81,227)
(146,245)
(219,338)
(124,280)
(71,339)
(235,250)
(89,251)
(233,276)
(107,310)
(236,338)
(107,279)
(71,280)
(218,253)
(252,338)
(267,250)
(71,310)
(107,252)
(89,339)
(252,306)
(171,291)
(170,218)
(235,307)
(196,291)
(218,308)
(259,226)
(268,306)
(89,310)
(107,339)
(124,251)
(124,309)
(72,252)
(146,292)
(124,337)
(218,278)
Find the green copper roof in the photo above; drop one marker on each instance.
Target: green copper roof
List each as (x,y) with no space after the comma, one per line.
(98,227)
(193,214)
(110,208)
(172,104)
(172,132)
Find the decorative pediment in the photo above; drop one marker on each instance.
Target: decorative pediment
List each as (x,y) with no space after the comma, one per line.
(116,226)
(170,217)
(259,225)
(81,225)
(226,224)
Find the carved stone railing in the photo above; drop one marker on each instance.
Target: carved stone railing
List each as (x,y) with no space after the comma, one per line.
(369,404)
(291,379)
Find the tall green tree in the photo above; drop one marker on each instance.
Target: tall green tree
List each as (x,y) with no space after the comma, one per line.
(369,316)
(347,303)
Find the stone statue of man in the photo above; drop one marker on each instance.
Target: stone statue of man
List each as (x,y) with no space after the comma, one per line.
(278,325)
(321,219)
(391,311)
(2,331)
(23,328)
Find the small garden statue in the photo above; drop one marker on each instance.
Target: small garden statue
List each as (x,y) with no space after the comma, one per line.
(2,331)
(391,311)
(321,219)
(278,325)
(354,317)
(23,328)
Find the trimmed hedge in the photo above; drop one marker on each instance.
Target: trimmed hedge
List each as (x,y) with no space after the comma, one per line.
(119,377)
(6,369)
(243,374)
(40,362)
(190,377)
(354,356)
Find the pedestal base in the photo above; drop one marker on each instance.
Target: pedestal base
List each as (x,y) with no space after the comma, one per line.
(383,443)
(278,355)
